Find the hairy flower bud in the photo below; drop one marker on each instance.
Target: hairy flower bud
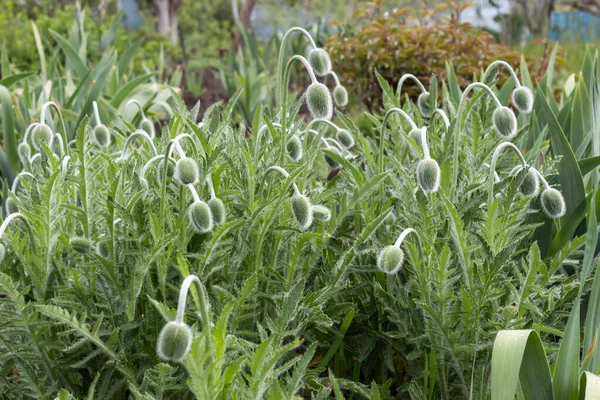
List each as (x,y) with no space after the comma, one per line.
(390,259)
(390,219)
(294,148)
(217,209)
(174,341)
(340,96)
(423,104)
(523,99)
(24,152)
(415,134)
(505,121)
(160,168)
(186,171)
(11,205)
(318,101)
(319,61)
(531,184)
(147,126)
(302,211)
(345,138)
(321,213)
(80,244)
(330,161)
(103,250)
(428,175)
(102,135)
(201,217)
(553,203)
(41,133)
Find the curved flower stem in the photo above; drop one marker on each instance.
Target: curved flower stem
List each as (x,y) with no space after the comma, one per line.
(322,120)
(137,134)
(383,126)
(495,157)
(17,178)
(544,181)
(507,66)
(285,98)
(194,193)
(442,114)
(424,145)
(335,78)
(28,131)
(137,103)
(403,235)
(280,61)
(461,124)
(259,137)
(60,117)
(96,113)
(285,174)
(211,188)
(413,78)
(25,220)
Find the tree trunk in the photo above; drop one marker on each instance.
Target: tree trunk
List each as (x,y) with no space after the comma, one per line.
(174,25)
(245,20)
(162,7)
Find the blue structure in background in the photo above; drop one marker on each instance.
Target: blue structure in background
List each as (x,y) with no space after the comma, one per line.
(577,26)
(133,19)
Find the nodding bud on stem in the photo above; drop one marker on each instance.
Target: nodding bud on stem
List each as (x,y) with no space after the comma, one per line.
(390,219)
(201,217)
(101,135)
(147,126)
(428,175)
(390,259)
(11,205)
(174,341)
(321,213)
(330,161)
(103,250)
(318,101)
(553,203)
(41,133)
(294,148)
(523,99)
(80,244)
(217,209)
(531,183)
(505,121)
(319,61)
(24,152)
(345,138)
(340,96)
(302,211)
(186,171)
(423,104)
(160,168)
(415,134)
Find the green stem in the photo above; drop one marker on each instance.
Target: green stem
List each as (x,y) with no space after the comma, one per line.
(507,66)
(383,126)
(495,157)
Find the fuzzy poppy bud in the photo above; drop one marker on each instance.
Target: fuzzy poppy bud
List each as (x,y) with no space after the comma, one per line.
(294,148)
(302,211)
(103,250)
(2,252)
(11,206)
(428,175)
(390,219)
(340,96)
(330,161)
(201,217)
(24,152)
(217,209)
(160,168)
(318,101)
(186,171)
(553,203)
(102,135)
(147,126)
(523,99)
(80,244)
(390,259)
(531,184)
(174,341)
(423,104)
(505,121)
(415,134)
(319,61)
(321,213)
(41,133)
(345,138)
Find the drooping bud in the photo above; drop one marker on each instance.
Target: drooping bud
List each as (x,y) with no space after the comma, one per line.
(531,184)
(103,250)
(390,259)
(318,101)
(523,99)
(415,134)
(345,138)
(428,175)
(102,135)
(302,211)
(41,133)
(160,168)
(319,61)
(11,206)
(553,203)
(174,341)
(505,121)
(340,96)
(24,152)
(390,219)
(217,209)
(321,213)
(186,171)
(330,161)
(423,104)
(80,244)
(201,217)
(294,148)
(147,126)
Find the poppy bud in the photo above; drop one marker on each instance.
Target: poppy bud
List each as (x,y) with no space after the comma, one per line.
(423,104)
(321,213)
(302,211)
(174,341)
(319,61)
(505,121)
(41,133)
(345,138)
(330,161)
(415,134)
(103,249)
(390,259)
(428,175)
(340,96)
(147,126)
(553,203)
(201,217)
(102,135)
(318,101)
(294,148)
(217,209)
(186,171)
(11,206)
(160,168)
(80,244)
(24,152)
(531,184)
(523,99)
(390,219)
